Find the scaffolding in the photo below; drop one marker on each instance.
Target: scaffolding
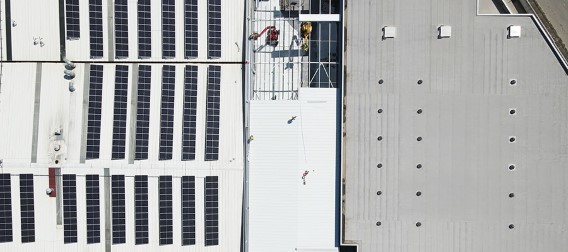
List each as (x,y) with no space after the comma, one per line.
(305,55)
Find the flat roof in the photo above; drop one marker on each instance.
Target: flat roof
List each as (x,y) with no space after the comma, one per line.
(451,190)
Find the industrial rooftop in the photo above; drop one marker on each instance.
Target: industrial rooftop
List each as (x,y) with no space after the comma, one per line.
(453,140)
(282,126)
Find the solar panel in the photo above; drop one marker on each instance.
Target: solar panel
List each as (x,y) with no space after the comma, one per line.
(118,210)
(168,29)
(211,210)
(143,112)
(96,28)
(189,113)
(121,28)
(166,211)
(94,111)
(69,208)
(120,110)
(187,210)
(167,112)
(141,208)
(144,29)
(214,28)
(190,28)
(27,207)
(5,208)
(212,115)
(72,18)
(93,209)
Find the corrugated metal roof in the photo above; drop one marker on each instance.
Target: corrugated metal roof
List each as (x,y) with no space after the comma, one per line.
(292,173)
(465,96)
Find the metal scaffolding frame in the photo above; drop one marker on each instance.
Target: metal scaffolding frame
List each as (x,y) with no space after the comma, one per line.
(306,58)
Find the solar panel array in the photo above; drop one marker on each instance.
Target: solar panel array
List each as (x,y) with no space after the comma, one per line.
(120,112)
(188,210)
(5,208)
(189,113)
(27,207)
(141,208)
(96,28)
(168,29)
(118,207)
(118,210)
(93,209)
(69,208)
(166,211)
(94,111)
(214,28)
(213,115)
(120,119)
(121,28)
(167,112)
(143,112)
(190,28)
(144,29)
(72,18)
(211,210)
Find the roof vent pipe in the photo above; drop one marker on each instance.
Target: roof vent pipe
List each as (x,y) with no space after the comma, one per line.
(71,87)
(68,64)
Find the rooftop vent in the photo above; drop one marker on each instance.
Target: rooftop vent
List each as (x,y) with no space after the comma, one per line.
(514,31)
(445,31)
(389,32)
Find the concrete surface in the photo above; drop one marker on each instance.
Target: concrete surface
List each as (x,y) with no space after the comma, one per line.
(461,164)
(556,15)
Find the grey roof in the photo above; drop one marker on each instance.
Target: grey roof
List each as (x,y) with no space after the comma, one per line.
(465,125)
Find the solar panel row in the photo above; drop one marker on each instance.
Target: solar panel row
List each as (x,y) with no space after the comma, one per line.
(69,208)
(118,209)
(96,28)
(93,209)
(168,29)
(94,111)
(120,112)
(190,28)
(188,210)
(5,208)
(27,207)
(143,112)
(189,113)
(167,112)
(213,113)
(214,28)
(121,28)
(144,29)
(166,211)
(72,19)
(141,209)
(211,210)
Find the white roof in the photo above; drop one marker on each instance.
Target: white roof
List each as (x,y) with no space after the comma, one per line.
(294,142)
